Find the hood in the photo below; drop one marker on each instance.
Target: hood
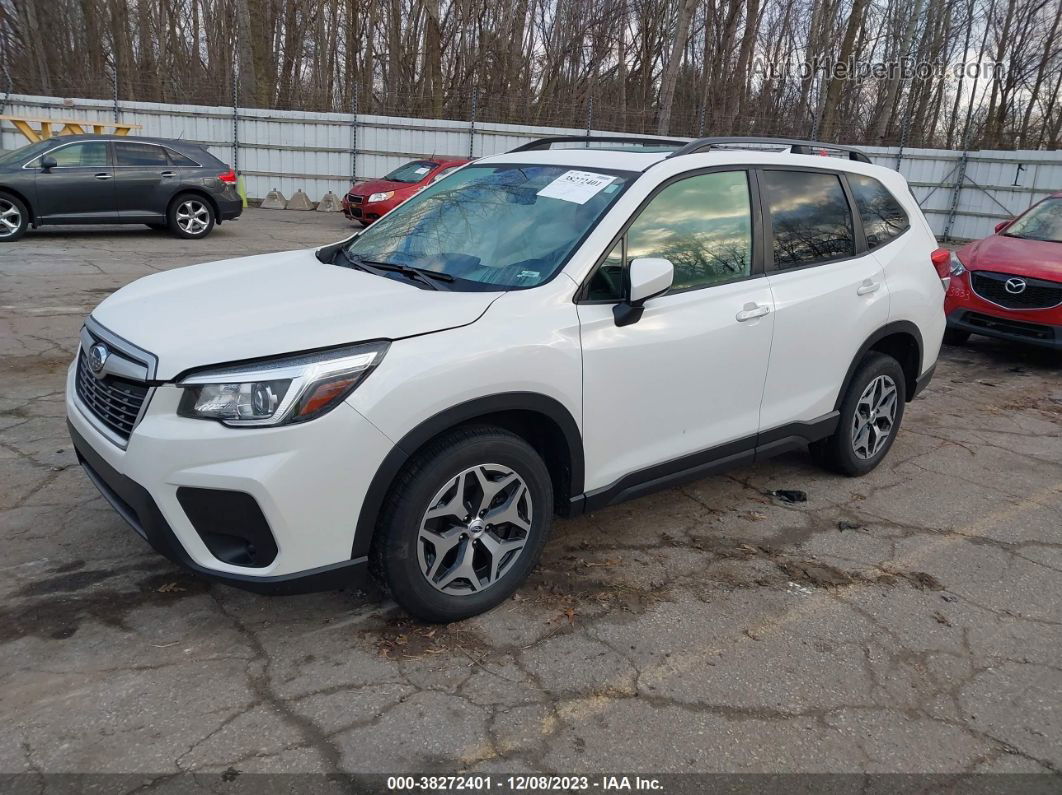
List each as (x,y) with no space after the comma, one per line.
(272,304)
(1036,259)
(380,186)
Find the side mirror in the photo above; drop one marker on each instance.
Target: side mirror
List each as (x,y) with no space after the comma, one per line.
(1003,225)
(648,277)
(48,163)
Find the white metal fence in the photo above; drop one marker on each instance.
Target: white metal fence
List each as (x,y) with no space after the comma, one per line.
(318,152)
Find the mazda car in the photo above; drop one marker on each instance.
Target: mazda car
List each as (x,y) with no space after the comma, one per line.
(1009,285)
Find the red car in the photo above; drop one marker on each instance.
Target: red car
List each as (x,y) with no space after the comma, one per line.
(1009,285)
(367,201)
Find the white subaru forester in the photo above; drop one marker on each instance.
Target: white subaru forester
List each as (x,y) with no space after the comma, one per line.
(548,331)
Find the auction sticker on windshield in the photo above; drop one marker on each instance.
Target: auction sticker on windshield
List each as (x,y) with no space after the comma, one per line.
(576,186)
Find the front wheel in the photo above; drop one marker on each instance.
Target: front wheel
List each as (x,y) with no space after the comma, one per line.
(14,218)
(464,524)
(871,413)
(191,216)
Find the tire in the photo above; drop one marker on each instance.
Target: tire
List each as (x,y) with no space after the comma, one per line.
(955,336)
(14,218)
(190,216)
(428,563)
(854,449)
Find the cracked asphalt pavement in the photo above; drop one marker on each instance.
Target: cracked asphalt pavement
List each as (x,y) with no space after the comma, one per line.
(908,621)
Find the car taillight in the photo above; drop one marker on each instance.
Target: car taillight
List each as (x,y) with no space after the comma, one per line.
(941,259)
(228,176)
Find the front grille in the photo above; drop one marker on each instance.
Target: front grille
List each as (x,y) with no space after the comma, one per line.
(355,199)
(113,401)
(1032,331)
(1038,294)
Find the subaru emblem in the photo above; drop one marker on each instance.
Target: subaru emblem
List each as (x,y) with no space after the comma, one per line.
(1015,286)
(97,357)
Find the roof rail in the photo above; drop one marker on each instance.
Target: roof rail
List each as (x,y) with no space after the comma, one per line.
(797,147)
(546,143)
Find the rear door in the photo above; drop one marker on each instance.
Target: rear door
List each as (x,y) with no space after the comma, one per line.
(681,386)
(145,180)
(829,292)
(80,187)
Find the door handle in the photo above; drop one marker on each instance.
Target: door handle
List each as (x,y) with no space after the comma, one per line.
(868,287)
(169,173)
(104,175)
(751,311)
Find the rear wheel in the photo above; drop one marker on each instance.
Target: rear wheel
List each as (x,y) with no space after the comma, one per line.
(871,413)
(464,524)
(14,218)
(955,336)
(191,216)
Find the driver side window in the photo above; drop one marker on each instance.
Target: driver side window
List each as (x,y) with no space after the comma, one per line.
(702,224)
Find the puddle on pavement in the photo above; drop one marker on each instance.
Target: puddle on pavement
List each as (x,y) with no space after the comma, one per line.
(55,607)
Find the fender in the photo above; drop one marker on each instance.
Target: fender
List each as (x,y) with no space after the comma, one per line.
(897,326)
(450,418)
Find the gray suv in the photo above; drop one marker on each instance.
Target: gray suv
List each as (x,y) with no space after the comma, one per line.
(112,179)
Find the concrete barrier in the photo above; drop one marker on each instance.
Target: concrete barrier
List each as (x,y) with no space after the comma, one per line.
(274,200)
(329,203)
(299,201)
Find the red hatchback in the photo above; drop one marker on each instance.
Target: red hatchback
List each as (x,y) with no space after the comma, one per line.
(1009,285)
(367,201)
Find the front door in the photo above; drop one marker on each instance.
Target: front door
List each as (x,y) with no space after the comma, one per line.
(683,384)
(80,187)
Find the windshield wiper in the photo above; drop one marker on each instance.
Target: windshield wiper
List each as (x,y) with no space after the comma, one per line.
(422,275)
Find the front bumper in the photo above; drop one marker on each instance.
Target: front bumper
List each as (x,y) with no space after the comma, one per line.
(308,480)
(365,212)
(1005,328)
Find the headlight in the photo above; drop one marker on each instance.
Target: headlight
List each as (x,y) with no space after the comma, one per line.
(280,391)
(957,268)
(379,197)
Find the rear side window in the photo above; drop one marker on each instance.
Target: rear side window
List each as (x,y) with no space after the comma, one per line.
(883,216)
(810,218)
(140,155)
(177,159)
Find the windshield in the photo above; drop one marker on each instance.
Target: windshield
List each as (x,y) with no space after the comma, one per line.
(1042,222)
(411,172)
(23,153)
(493,227)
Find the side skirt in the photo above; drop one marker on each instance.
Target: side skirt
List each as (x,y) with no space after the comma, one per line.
(758,447)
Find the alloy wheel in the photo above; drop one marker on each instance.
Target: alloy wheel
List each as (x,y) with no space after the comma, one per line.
(474,529)
(10,218)
(875,417)
(193,217)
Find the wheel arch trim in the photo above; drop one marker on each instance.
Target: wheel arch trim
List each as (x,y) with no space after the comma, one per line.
(195,191)
(32,220)
(531,402)
(888,330)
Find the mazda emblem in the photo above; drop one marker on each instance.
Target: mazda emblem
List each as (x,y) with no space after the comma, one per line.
(97,357)
(1015,286)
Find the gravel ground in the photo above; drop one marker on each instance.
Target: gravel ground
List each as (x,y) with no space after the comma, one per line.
(908,621)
